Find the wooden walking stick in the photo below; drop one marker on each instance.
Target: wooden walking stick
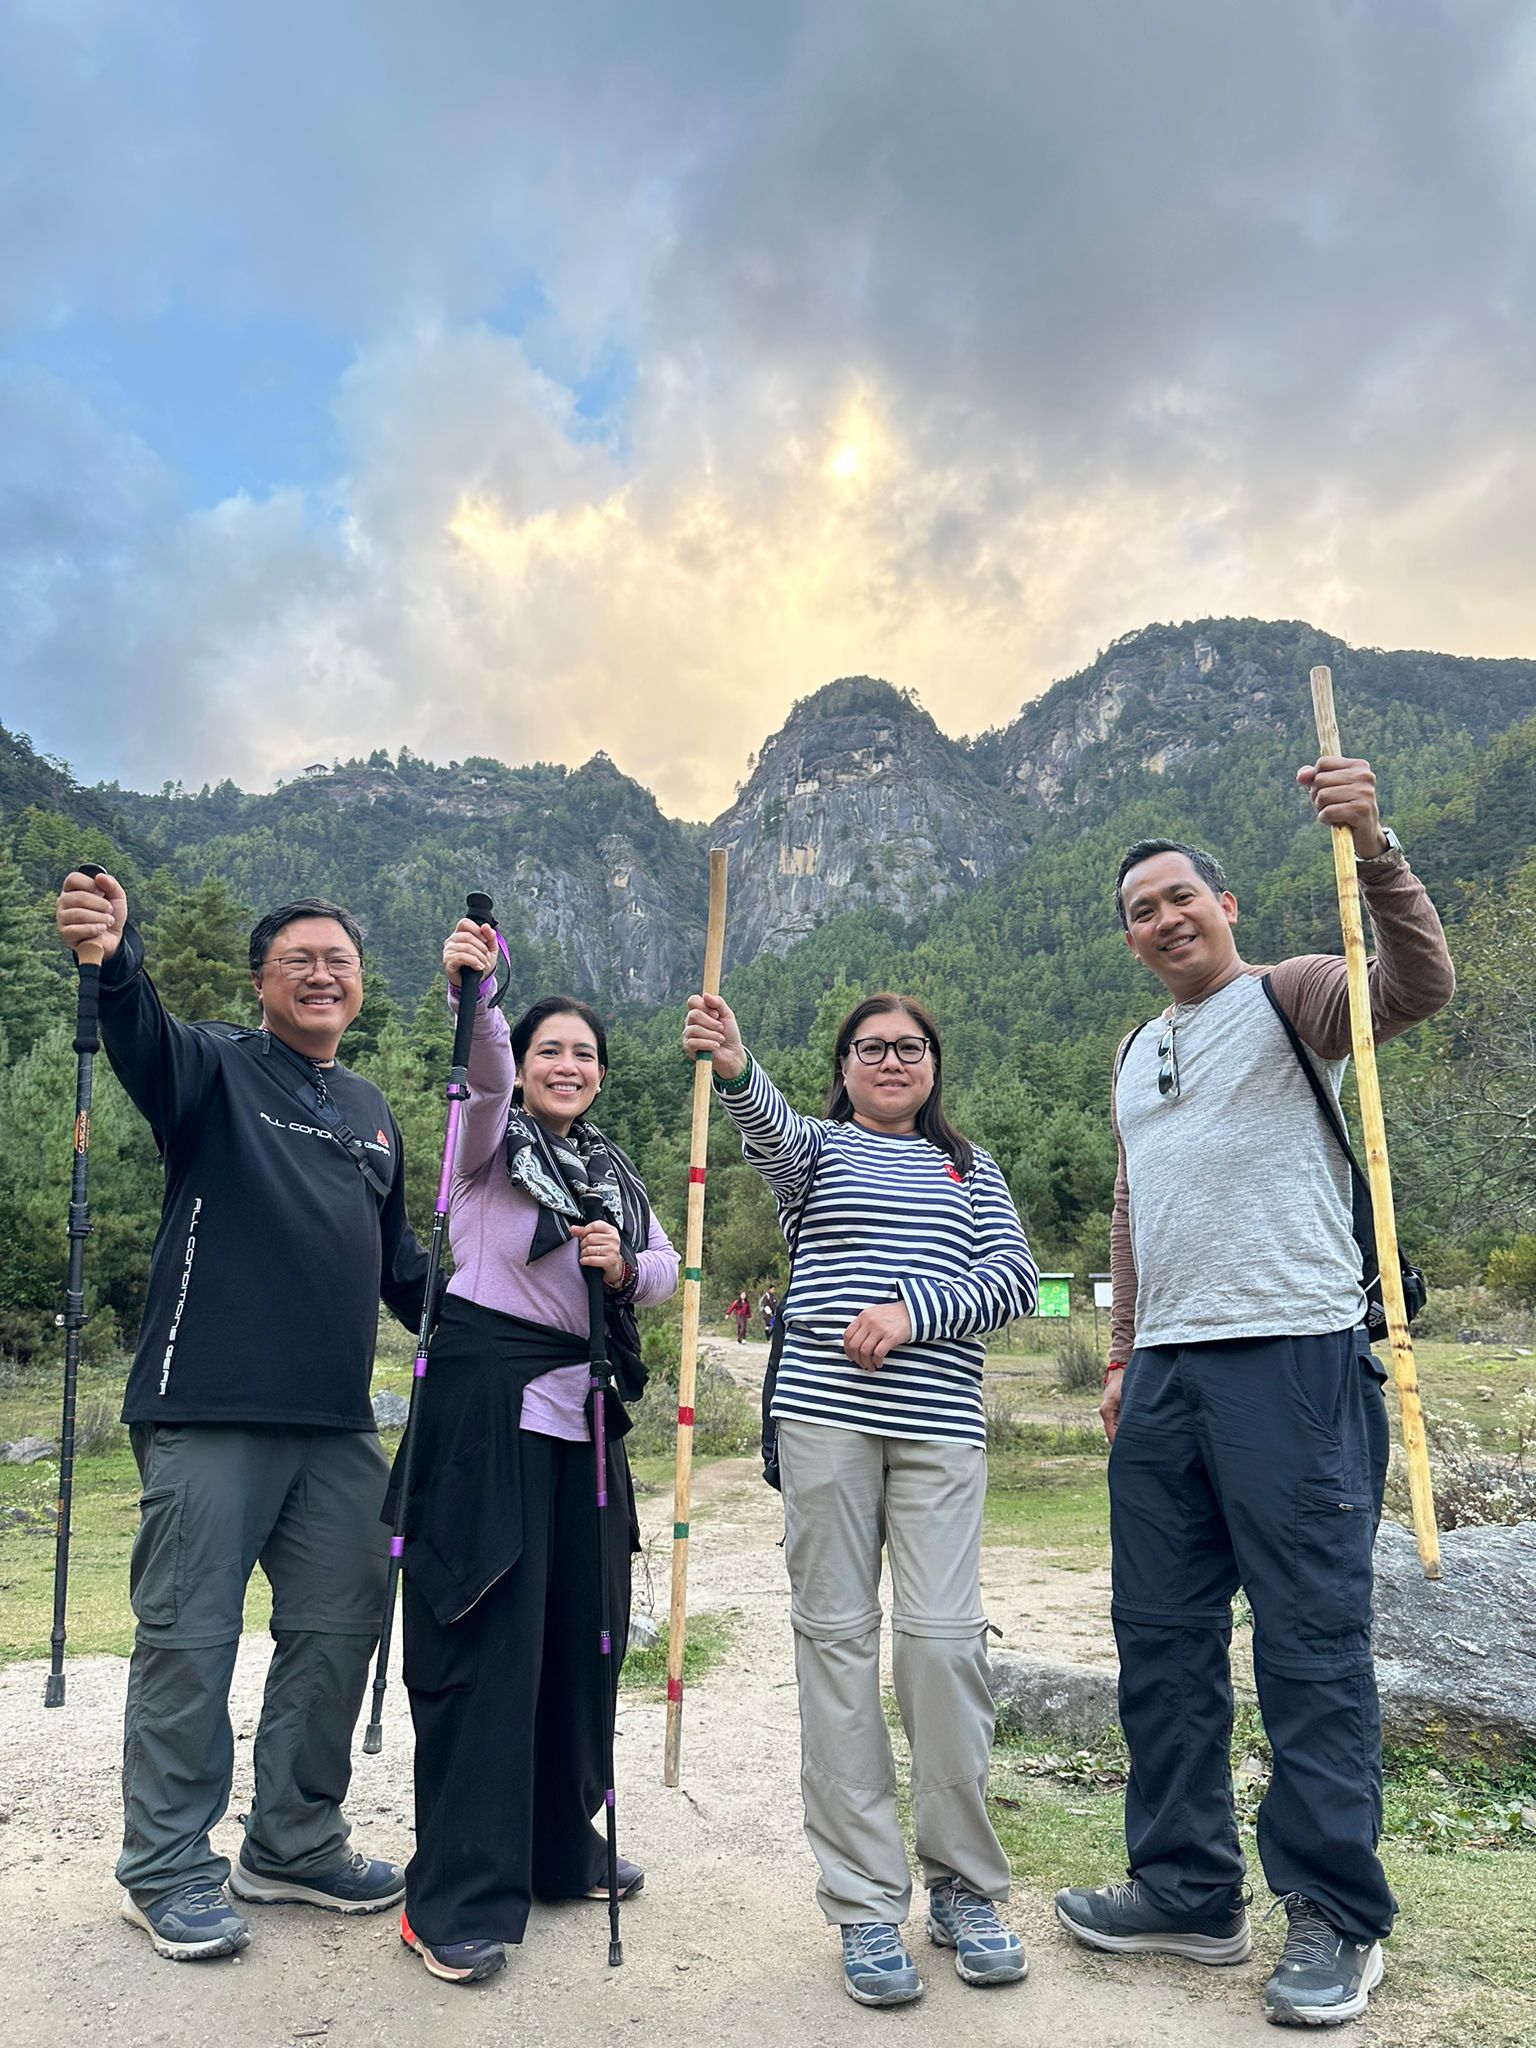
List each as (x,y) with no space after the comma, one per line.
(693,1273)
(1379,1173)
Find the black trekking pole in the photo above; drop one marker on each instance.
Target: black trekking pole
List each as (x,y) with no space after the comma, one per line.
(592,1211)
(478,907)
(87,1044)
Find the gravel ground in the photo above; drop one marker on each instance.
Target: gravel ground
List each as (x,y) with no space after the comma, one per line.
(724,1947)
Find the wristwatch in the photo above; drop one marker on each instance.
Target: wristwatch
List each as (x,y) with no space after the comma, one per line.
(1391,854)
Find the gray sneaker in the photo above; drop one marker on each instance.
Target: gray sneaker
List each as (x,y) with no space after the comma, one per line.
(358,1884)
(876,1968)
(1322,1978)
(1123,1921)
(986,1952)
(192,1925)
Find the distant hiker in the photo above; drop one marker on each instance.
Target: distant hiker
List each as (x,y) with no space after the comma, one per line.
(906,1249)
(768,1308)
(502,1598)
(1248,1424)
(741,1314)
(247,1404)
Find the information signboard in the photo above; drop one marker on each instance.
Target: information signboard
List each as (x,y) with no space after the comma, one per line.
(1055,1295)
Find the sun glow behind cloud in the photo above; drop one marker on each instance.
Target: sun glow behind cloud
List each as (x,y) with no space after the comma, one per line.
(679,386)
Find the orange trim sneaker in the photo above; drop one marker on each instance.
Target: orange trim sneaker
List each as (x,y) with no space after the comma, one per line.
(456,1962)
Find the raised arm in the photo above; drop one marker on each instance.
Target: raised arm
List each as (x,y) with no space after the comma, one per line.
(471,949)
(1410,977)
(162,1063)
(783,1145)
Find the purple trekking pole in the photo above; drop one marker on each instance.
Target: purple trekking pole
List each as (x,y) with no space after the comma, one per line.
(592,1211)
(478,907)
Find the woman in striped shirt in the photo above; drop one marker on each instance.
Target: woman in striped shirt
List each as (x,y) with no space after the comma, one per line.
(907,1249)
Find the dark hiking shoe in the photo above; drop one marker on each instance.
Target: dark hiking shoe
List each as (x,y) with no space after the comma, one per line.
(358,1884)
(876,1968)
(190,1926)
(1322,1978)
(456,1962)
(631,1880)
(986,1952)
(1123,1920)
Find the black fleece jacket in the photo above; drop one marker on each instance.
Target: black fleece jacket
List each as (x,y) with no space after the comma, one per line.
(273,1250)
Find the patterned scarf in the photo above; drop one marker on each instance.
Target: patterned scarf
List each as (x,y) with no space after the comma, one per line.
(559,1173)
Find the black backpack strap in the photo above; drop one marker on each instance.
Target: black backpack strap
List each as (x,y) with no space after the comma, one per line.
(792,1225)
(1125,1046)
(316,1098)
(1325,1099)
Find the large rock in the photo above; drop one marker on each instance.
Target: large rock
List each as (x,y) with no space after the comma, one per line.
(1069,1706)
(27,1450)
(1456,1657)
(390,1410)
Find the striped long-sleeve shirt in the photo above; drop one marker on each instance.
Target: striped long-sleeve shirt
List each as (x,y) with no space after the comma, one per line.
(888,1218)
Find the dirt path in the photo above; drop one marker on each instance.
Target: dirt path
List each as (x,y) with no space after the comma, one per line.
(725,1949)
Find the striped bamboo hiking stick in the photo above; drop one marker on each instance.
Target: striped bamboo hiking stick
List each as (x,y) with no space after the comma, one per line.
(693,1273)
(1378,1171)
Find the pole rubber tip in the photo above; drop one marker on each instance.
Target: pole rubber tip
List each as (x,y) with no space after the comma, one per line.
(615,1954)
(373,1740)
(53,1691)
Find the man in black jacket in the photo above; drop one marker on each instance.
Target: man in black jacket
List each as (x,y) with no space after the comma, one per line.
(248,1407)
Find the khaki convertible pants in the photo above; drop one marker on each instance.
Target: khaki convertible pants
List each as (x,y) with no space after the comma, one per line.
(846,1495)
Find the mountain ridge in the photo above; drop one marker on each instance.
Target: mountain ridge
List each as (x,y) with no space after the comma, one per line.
(859,802)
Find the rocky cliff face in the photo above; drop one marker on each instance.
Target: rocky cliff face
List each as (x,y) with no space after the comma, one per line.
(860,801)
(1155,698)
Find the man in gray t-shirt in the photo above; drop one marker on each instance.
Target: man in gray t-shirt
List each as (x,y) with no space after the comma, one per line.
(1247,1423)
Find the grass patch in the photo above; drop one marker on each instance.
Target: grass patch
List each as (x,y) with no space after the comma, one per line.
(1055,1502)
(104,1518)
(706,1641)
(1468,1914)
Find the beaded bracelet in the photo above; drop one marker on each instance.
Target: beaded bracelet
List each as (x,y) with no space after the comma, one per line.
(735,1087)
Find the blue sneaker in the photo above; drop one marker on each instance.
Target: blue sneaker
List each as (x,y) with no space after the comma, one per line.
(358,1884)
(190,1926)
(456,1962)
(986,1952)
(876,1968)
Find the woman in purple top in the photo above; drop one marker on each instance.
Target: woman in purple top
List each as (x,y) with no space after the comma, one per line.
(501,1601)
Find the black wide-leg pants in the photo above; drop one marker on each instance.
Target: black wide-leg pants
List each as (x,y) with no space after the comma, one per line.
(511,1704)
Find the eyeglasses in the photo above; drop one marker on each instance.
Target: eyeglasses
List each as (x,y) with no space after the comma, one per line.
(1168,1070)
(300,966)
(869,1052)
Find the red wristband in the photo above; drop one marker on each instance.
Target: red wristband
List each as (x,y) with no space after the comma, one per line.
(1112,1367)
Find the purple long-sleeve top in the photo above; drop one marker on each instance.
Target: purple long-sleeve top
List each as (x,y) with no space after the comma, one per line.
(491,1225)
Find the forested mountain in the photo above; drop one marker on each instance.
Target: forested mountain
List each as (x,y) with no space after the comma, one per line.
(859,803)
(868,849)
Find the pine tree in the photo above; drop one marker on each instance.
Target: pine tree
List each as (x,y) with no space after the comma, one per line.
(379,1010)
(32,993)
(198,954)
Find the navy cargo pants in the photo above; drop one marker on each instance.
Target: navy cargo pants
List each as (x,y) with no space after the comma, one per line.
(1257,1463)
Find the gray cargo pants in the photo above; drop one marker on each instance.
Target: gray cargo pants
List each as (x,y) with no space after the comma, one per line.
(846,1495)
(217,1500)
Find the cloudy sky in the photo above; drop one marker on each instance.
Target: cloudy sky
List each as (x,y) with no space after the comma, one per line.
(523,379)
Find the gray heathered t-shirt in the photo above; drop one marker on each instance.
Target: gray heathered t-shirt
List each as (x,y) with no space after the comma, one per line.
(1239,1193)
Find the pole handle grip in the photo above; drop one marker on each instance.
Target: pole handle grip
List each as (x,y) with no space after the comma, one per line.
(478,907)
(592,1211)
